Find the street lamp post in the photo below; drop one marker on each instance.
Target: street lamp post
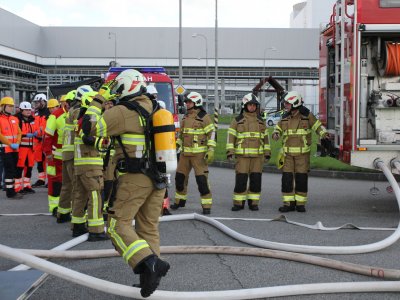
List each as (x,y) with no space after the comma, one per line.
(194,35)
(265,51)
(115,45)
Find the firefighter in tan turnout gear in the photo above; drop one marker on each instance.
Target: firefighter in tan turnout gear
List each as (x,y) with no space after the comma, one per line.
(87,181)
(196,142)
(295,127)
(248,141)
(137,195)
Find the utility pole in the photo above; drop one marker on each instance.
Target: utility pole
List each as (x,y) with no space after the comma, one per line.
(180,43)
(216,100)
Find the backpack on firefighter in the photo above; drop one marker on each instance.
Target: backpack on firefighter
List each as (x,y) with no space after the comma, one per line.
(159,158)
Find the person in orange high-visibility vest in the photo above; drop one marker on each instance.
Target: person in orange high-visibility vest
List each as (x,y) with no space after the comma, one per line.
(52,148)
(39,104)
(29,129)
(10,138)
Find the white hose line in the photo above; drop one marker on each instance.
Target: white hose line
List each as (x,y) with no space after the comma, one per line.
(317,226)
(305,248)
(127,291)
(281,218)
(370,271)
(64,246)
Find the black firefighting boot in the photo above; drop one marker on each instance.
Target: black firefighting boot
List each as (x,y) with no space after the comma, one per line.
(237,207)
(38,183)
(288,206)
(166,212)
(79,229)
(63,218)
(181,203)
(151,269)
(54,213)
(252,206)
(301,208)
(94,237)
(206,211)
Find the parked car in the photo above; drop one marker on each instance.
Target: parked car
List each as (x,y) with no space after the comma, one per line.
(273,119)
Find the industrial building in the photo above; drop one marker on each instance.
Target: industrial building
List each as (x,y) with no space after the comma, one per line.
(34,58)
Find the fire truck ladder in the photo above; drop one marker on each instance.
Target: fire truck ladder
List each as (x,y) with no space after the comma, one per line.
(340,35)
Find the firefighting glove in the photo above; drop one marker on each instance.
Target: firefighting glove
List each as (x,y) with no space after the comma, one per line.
(209,157)
(30,135)
(229,157)
(267,158)
(14,146)
(106,90)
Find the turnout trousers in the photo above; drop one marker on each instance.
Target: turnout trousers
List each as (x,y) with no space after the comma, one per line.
(185,165)
(295,178)
(67,188)
(87,188)
(137,199)
(248,169)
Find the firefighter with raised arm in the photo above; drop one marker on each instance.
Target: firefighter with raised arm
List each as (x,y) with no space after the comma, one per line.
(88,180)
(139,194)
(248,141)
(196,142)
(295,128)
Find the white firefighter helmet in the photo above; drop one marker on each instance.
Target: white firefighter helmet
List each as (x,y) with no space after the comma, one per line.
(161,103)
(129,83)
(195,97)
(25,105)
(151,89)
(83,89)
(294,98)
(250,98)
(40,97)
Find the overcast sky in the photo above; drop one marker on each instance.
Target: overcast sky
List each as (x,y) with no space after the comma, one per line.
(154,13)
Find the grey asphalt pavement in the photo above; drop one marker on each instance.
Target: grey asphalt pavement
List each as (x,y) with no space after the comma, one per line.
(334,202)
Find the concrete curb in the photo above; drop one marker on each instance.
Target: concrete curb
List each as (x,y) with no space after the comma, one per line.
(371,176)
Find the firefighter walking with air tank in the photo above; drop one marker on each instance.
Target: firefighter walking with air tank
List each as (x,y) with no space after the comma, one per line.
(248,141)
(140,188)
(295,127)
(196,142)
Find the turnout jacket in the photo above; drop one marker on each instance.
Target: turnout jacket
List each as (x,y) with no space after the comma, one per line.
(295,127)
(248,136)
(123,122)
(197,133)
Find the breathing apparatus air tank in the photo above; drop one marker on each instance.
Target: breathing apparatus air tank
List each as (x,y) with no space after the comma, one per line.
(164,141)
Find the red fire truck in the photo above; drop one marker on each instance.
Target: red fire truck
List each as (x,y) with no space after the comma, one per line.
(162,82)
(360,81)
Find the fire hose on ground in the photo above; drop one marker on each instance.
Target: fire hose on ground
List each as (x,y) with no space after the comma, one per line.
(288,290)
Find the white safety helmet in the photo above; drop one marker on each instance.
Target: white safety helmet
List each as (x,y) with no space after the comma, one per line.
(250,98)
(151,89)
(40,97)
(161,103)
(129,83)
(25,105)
(294,98)
(195,97)
(80,91)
